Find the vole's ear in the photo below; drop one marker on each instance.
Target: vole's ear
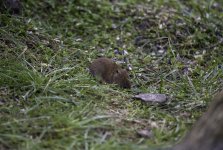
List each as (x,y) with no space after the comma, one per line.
(118,71)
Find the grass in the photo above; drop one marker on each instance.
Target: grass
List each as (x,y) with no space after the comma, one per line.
(49,101)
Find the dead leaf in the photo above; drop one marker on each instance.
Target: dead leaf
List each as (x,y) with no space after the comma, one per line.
(145,133)
(149,97)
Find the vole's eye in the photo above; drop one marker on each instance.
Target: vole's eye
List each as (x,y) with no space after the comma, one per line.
(117,71)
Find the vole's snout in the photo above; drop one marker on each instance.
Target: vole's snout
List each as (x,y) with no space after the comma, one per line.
(127,87)
(126,84)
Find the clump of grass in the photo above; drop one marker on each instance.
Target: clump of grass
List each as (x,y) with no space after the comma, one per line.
(49,101)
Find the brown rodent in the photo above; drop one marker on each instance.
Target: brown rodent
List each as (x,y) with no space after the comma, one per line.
(13,6)
(108,71)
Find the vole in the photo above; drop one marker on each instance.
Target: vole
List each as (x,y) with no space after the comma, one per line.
(13,6)
(110,72)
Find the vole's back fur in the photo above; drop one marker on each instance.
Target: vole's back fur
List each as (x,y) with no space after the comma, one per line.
(109,72)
